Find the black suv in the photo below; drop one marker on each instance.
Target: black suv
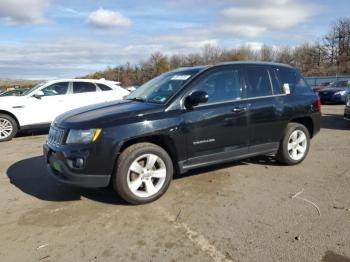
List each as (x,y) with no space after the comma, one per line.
(181,120)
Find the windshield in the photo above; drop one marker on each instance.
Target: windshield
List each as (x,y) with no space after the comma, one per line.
(160,89)
(342,84)
(33,88)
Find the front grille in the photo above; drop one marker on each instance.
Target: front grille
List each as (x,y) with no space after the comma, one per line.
(56,136)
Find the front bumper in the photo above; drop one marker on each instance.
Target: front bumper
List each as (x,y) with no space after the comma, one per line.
(347,113)
(57,167)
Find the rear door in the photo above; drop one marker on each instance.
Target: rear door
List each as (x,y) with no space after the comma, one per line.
(83,94)
(266,99)
(217,130)
(108,93)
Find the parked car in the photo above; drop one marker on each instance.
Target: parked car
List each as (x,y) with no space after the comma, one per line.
(335,93)
(181,120)
(131,88)
(14,92)
(39,106)
(321,86)
(347,109)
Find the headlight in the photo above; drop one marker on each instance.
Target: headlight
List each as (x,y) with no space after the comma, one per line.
(341,93)
(80,136)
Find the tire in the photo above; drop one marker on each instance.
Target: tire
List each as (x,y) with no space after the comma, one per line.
(294,149)
(8,128)
(138,168)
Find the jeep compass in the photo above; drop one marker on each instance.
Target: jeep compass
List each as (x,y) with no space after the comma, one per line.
(181,120)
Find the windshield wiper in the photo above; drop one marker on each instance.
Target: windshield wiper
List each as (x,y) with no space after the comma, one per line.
(138,99)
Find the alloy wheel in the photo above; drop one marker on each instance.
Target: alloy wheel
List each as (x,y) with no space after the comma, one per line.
(146,175)
(297,145)
(6,128)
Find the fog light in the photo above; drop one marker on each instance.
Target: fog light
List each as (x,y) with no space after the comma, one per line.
(76,163)
(79,162)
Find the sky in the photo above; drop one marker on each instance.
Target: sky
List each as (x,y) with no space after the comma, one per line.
(46,39)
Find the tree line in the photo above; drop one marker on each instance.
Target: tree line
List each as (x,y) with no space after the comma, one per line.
(330,55)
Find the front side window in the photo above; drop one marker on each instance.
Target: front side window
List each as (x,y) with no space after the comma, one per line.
(56,89)
(83,87)
(258,82)
(221,86)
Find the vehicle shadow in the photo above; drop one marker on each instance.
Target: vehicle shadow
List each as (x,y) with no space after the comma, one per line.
(333,257)
(31,177)
(334,121)
(25,133)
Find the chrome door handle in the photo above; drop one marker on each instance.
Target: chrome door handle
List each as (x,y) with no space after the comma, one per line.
(239,109)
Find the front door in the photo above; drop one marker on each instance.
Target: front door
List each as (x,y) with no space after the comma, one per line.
(217,130)
(43,110)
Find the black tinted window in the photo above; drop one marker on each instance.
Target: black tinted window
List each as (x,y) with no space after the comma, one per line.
(104,87)
(258,82)
(83,87)
(56,89)
(223,85)
(301,85)
(286,76)
(276,86)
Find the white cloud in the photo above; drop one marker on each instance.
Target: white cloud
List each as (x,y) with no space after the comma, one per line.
(23,11)
(252,18)
(103,18)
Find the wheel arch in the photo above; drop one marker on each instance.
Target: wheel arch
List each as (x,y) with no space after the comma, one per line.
(162,141)
(307,122)
(4,112)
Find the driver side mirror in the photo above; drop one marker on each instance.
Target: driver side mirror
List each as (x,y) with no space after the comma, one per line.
(39,94)
(196,98)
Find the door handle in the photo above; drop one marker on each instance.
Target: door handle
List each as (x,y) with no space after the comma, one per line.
(239,109)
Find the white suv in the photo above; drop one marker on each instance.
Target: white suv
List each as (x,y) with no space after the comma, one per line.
(39,106)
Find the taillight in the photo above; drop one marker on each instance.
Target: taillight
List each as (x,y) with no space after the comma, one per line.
(319,103)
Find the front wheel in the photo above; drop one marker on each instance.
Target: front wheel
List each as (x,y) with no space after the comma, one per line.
(144,172)
(8,128)
(295,144)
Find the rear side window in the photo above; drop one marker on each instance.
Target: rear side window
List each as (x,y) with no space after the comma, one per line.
(286,77)
(221,86)
(301,85)
(83,87)
(258,82)
(276,86)
(104,87)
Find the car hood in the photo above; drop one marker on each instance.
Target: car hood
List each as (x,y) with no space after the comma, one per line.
(105,114)
(12,101)
(332,90)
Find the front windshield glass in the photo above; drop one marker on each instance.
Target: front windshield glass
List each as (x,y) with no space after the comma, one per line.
(34,88)
(160,89)
(339,84)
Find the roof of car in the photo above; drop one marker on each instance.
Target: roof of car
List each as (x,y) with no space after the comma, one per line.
(254,63)
(234,63)
(84,80)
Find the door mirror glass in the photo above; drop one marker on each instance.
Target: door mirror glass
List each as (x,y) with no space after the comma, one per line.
(39,94)
(196,98)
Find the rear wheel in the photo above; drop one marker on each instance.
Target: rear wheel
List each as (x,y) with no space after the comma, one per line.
(295,144)
(8,128)
(144,172)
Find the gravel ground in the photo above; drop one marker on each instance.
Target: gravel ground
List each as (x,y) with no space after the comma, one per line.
(242,211)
